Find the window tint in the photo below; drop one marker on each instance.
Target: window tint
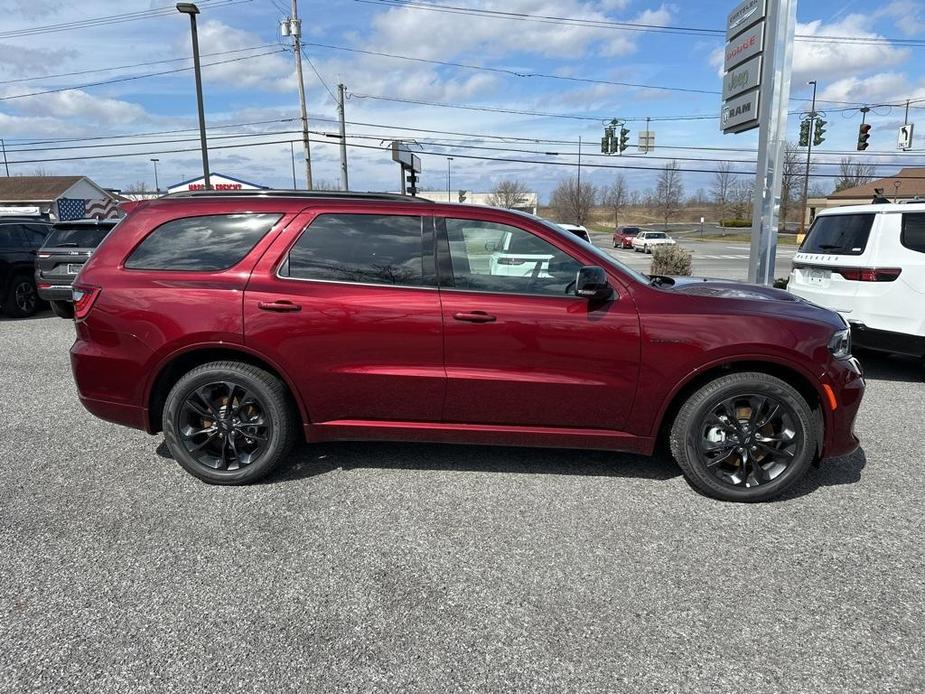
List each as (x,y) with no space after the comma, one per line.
(201,243)
(493,257)
(368,248)
(838,234)
(77,235)
(11,236)
(913,234)
(656,235)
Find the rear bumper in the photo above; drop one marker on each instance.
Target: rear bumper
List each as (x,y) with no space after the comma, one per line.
(116,412)
(847,382)
(887,341)
(56,292)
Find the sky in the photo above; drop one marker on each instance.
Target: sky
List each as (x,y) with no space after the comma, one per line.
(579,70)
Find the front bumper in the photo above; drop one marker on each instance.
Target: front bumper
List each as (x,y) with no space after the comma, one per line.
(846,380)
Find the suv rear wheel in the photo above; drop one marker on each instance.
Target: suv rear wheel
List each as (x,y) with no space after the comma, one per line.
(229,423)
(22,299)
(744,437)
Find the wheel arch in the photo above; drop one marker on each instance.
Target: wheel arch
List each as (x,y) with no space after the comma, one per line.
(794,376)
(171,369)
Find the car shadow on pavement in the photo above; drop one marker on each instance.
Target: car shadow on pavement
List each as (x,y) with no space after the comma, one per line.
(884,367)
(317,459)
(39,315)
(830,473)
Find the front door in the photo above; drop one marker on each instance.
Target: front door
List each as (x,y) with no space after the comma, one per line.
(521,348)
(348,305)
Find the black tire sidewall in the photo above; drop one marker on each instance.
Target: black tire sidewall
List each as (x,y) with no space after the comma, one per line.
(693,411)
(10,307)
(62,309)
(271,394)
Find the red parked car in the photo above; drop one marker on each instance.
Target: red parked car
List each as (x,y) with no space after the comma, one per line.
(623,237)
(239,324)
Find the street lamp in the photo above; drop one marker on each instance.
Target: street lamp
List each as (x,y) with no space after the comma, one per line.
(448,160)
(191,9)
(157,188)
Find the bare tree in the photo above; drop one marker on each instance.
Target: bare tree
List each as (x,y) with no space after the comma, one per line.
(325,184)
(137,187)
(573,202)
(741,197)
(509,193)
(792,174)
(615,197)
(853,173)
(723,180)
(669,191)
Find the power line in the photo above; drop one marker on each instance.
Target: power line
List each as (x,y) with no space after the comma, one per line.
(513,73)
(136,77)
(625,26)
(120,18)
(42,78)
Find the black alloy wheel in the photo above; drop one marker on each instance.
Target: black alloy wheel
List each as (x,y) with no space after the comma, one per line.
(744,437)
(22,298)
(223,425)
(229,422)
(747,440)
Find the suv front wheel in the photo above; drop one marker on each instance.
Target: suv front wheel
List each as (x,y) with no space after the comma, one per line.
(22,299)
(229,423)
(744,437)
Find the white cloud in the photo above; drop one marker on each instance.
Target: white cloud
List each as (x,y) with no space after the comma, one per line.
(908,15)
(827,59)
(77,104)
(268,72)
(880,87)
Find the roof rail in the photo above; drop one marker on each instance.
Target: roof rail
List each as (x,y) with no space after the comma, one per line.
(283,193)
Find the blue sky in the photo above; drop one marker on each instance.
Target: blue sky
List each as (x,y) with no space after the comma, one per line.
(261,87)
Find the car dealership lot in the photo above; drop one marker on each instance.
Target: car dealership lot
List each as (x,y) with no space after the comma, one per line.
(394,567)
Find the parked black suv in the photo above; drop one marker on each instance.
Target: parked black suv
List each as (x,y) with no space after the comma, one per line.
(19,239)
(59,260)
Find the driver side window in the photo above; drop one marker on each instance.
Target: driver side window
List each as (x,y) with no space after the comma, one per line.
(490,257)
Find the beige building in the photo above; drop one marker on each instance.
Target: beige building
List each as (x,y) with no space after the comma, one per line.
(908,184)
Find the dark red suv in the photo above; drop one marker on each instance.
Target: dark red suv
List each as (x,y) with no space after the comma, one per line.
(242,323)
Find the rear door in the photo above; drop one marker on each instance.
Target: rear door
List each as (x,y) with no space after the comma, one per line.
(346,303)
(524,350)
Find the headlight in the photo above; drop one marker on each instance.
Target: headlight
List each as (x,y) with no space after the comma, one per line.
(840,344)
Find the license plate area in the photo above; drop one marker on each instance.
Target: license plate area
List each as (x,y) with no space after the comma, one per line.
(818,275)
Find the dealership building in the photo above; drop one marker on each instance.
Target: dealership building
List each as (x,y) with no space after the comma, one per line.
(908,184)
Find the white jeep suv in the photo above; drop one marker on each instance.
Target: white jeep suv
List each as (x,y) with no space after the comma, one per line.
(868,263)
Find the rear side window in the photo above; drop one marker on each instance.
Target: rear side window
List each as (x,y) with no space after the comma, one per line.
(201,244)
(363,248)
(838,234)
(913,234)
(77,236)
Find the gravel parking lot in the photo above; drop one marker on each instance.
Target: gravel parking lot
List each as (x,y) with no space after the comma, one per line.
(411,568)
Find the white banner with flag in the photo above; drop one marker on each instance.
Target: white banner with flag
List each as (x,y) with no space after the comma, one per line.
(79,208)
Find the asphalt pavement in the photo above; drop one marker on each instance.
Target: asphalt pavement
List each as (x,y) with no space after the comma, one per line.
(421,568)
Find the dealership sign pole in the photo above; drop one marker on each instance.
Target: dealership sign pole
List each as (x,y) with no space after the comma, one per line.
(756,91)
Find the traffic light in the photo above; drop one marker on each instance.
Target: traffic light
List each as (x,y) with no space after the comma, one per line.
(863,136)
(624,139)
(411,178)
(804,133)
(818,138)
(607,141)
(461,196)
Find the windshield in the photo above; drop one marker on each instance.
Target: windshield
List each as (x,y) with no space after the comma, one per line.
(605,258)
(631,231)
(838,234)
(656,235)
(77,235)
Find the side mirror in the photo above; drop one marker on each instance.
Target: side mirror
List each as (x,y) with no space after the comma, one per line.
(591,283)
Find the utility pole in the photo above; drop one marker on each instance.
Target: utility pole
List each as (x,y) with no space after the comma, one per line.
(293,27)
(809,154)
(448,160)
(292,161)
(6,164)
(578,187)
(157,187)
(341,91)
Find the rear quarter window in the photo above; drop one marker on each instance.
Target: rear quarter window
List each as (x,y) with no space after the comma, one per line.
(838,234)
(913,233)
(201,244)
(85,236)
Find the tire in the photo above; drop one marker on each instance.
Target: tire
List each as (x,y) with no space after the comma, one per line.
(209,390)
(62,309)
(22,299)
(647,250)
(769,473)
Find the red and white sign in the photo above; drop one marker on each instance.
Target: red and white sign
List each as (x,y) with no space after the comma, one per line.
(219,182)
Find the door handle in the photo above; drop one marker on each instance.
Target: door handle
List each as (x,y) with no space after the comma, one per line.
(475,317)
(280,306)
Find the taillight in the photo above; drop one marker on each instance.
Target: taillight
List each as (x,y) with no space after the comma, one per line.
(44,255)
(84,296)
(875,274)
